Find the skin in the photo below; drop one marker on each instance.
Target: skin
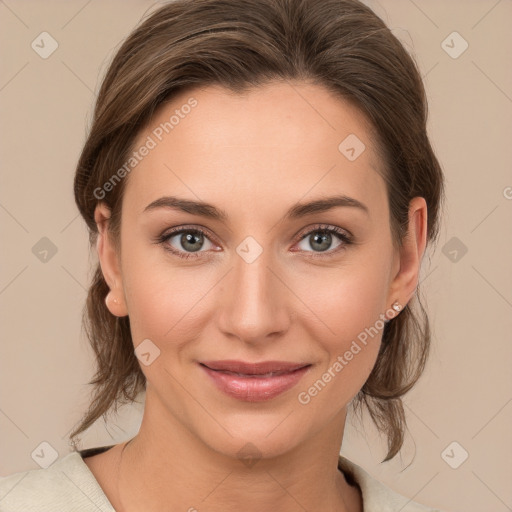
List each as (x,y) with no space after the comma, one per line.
(253,155)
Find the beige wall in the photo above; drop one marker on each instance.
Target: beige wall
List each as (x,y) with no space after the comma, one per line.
(464,396)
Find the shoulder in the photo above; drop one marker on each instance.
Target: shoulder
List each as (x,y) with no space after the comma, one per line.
(377,497)
(66,485)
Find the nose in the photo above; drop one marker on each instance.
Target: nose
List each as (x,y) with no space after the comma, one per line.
(255,302)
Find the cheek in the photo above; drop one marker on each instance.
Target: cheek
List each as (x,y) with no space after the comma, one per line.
(164,302)
(348,299)
(349,337)
(348,303)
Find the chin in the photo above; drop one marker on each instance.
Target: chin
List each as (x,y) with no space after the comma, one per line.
(254,437)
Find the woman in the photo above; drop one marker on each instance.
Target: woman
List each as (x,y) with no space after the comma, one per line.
(260,189)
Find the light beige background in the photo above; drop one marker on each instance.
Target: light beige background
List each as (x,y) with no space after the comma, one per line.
(466,393)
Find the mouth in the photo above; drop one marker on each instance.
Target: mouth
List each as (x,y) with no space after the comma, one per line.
(254,382)
(245,369)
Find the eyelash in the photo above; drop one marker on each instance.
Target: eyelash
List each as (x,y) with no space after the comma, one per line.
(320,228)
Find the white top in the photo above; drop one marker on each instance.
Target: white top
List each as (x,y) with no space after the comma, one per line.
(68,485)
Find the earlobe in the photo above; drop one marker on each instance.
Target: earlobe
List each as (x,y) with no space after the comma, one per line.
(114,305)
(109,263)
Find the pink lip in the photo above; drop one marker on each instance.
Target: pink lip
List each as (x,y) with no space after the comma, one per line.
(246,381)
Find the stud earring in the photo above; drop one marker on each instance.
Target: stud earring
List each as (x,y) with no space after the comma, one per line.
(397,306)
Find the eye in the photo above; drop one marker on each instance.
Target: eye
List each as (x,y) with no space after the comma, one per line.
(320,238)
(186,239)
(187,242)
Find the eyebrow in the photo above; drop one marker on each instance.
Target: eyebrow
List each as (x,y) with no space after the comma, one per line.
(297,211)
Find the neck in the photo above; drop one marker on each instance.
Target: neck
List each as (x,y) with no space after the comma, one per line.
(171,469)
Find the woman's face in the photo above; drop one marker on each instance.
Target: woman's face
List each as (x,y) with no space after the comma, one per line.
(263,283)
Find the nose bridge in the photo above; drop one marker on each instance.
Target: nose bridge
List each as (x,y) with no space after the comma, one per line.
(254,306)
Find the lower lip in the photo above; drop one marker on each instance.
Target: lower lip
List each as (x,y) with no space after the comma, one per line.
(254,389)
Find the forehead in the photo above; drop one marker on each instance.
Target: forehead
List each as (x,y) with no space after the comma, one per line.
(268,146)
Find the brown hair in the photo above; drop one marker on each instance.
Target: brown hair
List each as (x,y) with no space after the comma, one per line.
(338,44)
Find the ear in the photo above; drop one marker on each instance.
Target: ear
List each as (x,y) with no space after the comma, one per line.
(405,281)
(109,262)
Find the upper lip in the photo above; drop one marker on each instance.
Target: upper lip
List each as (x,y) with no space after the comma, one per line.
(261,368)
